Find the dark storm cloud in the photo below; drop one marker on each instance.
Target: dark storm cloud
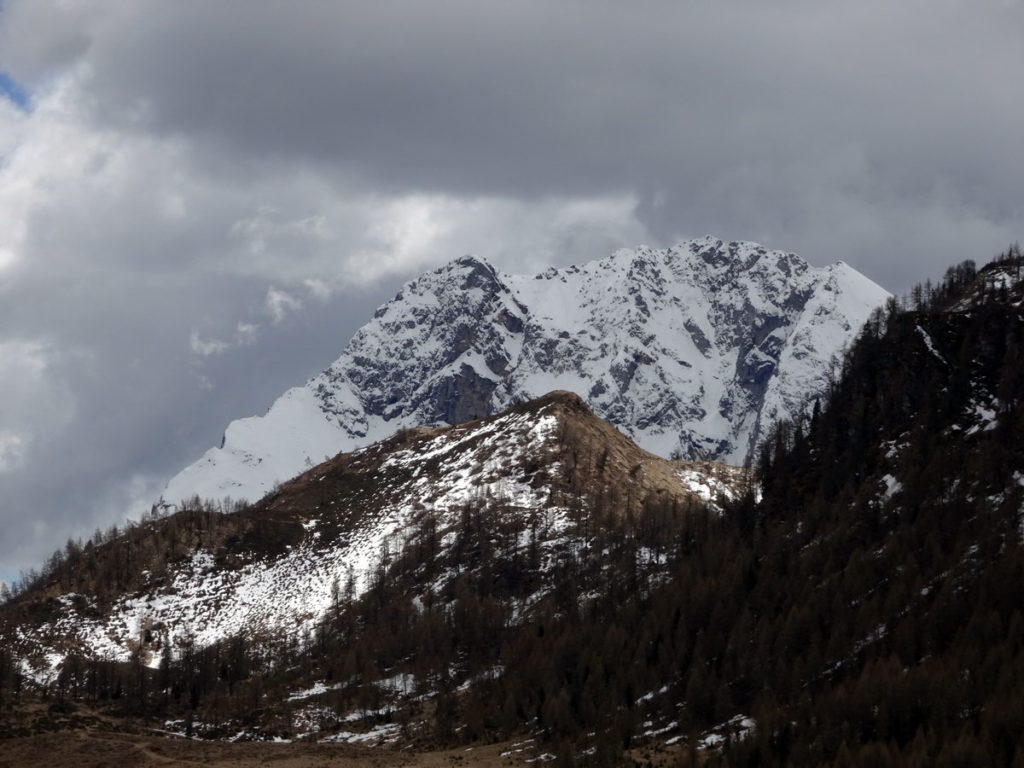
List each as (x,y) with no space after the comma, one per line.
(772,119)
(203,200)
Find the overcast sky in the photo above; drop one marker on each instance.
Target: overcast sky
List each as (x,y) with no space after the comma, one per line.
(201,201)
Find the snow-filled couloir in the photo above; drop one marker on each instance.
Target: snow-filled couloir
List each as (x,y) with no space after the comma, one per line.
(693,351)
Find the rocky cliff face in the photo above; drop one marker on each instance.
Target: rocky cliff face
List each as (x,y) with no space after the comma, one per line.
(691,351)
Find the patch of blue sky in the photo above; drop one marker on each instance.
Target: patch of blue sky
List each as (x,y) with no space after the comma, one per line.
(12,91)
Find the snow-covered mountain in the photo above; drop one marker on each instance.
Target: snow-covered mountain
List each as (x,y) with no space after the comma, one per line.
(692,351)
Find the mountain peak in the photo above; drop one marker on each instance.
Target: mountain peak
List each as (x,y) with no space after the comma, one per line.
(561,399)
(691,351)
(739,255)
(471,263)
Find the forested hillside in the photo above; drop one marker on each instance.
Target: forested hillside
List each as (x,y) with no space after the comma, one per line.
(863,610)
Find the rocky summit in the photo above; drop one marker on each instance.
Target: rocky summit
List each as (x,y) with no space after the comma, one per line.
(691,351)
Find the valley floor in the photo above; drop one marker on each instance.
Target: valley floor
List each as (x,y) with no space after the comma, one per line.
(93,749)
(101,749)
(35,735)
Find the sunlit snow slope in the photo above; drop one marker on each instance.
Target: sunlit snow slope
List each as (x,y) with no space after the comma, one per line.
(693,350)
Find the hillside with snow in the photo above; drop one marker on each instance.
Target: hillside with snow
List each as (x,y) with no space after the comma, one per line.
(692,351)
(278,567)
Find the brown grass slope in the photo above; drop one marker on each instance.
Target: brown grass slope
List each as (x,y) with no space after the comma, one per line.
(592,456)
(587,463)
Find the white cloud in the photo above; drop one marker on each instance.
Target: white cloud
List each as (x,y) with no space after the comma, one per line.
(25,357)
(318,289)
(279,304)
(246,333)
(402,234)
(12,449)
(37,400)
(135,495)
(206,347)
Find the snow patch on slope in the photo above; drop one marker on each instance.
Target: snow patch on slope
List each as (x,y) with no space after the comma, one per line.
(202,603)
